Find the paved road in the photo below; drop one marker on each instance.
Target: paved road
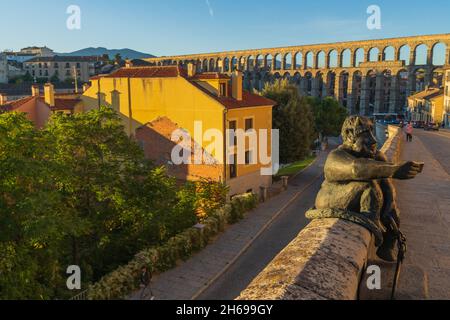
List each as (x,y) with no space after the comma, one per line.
(282,231)
(438,144)
(425,214)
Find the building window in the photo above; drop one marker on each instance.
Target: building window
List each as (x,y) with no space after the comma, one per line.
(67,65)
(223,89)
(233,167)
(248,124)
(248,158)
(78,65)
(56,65)
(233,127)
(46,73)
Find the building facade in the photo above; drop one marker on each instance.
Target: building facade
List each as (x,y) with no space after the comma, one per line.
(447,98)
(37,51)
(39,107)
(201,104)
(62,67)
(427,106)
(3,68)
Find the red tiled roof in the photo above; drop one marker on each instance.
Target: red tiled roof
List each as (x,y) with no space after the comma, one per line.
(211,76)
(63,104)
(148,72)
(13,105)
(427,93)
(248,99)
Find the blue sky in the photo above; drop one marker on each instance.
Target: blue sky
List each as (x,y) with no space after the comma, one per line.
(168,27)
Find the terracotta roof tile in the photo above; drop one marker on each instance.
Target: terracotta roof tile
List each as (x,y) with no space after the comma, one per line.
(13,105)
(248,99)
(427,93)
(63,104)
(147,72)
(211,76)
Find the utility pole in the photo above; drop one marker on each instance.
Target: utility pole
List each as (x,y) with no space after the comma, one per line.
(75,74)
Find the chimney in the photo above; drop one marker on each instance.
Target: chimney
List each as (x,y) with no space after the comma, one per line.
(86,86)
(35,92)
(49,94)
(3,99)
(128,63)
(190,69)
(236,85)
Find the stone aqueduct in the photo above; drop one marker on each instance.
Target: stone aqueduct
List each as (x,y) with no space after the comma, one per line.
(368,77)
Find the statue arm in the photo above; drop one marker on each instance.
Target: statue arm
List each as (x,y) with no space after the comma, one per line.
(389,194)
(342,166)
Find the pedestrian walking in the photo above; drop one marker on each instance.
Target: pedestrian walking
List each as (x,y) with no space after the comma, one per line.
(146,279)
(409,132)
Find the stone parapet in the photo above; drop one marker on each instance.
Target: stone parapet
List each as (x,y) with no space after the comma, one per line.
(325,261)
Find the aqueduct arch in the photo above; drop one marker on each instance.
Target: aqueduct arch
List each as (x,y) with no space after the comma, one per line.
(367,77)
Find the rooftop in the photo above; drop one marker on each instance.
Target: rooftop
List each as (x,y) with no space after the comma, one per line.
(148,72)
(428,93)
(66,59)
(60,104)
(248,99)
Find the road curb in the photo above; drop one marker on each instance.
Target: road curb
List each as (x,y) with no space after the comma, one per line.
(260,232)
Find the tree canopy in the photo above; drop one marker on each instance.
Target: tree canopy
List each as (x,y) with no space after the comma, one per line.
(329,116)
(294,118)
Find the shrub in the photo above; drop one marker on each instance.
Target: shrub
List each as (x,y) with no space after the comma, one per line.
(119,283)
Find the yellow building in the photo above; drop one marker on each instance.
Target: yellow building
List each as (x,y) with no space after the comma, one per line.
(217,102)
(436,108)
(427,106)
(446,115)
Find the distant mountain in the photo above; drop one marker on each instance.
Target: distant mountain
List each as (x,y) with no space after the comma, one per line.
(124,53)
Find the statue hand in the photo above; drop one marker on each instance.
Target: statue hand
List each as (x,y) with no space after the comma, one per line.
(408,170)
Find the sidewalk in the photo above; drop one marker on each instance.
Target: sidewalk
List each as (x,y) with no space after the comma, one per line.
(190,278)
(425,213)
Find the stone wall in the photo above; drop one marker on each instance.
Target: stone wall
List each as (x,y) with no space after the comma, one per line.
(393,146)
(325,261)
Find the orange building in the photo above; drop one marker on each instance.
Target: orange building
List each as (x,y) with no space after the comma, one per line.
(38,108)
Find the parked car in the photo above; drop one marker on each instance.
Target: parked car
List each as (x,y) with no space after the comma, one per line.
(431,127)
(419,124)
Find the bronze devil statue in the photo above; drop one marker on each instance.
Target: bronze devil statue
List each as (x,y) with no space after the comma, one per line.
(358,185)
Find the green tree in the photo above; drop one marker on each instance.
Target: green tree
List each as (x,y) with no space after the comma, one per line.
(80,192)
(329,116)
(118,58)
(32,219)
(120,201)
(294,118)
